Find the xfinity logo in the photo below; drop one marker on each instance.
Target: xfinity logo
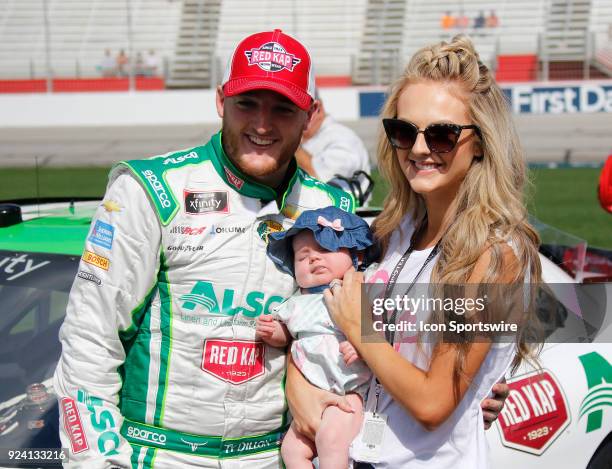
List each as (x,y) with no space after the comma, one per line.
(18,266)
(198,203)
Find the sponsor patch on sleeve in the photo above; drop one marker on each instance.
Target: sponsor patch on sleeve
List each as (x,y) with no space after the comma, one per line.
(73,425)
(102,234)
(96,260)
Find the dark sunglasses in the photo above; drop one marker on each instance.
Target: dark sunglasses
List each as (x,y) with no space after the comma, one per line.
(440,138)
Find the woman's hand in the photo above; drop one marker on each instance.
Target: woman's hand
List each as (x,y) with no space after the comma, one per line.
(307,402)
(344,304)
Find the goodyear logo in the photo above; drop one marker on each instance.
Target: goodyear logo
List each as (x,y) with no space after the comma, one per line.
(96,260)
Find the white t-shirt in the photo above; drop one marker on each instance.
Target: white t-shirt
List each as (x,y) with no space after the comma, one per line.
(336,149)
(460,441)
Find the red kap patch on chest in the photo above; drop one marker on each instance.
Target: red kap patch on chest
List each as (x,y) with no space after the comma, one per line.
(233,361)
(535,413)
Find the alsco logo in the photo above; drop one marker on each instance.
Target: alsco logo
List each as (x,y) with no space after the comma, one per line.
(180,159)
(598,373)
(102,422)
(272,57)
(203,294)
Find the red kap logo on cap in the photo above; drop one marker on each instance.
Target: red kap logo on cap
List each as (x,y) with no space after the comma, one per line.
(272,57)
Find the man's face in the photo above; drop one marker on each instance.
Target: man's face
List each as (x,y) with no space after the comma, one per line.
(261,131)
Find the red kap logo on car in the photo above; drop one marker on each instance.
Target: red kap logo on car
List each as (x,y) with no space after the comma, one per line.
(535,413)
(272,57)
(73,425)
(598,373)
(233,361)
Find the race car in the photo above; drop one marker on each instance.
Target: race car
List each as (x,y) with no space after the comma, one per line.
(557,415)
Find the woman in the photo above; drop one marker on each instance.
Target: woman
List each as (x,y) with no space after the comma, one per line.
(454,214)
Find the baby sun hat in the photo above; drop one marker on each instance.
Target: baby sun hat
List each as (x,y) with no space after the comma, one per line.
(332,228)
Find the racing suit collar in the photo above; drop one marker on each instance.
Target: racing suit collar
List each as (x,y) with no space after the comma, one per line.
(245,185)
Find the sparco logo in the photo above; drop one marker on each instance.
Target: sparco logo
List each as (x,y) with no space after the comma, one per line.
(179,159)
(160,192)
(197,203)
(272,57)
(146,435)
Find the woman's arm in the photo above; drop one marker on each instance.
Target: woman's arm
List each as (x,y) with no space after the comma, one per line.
(427,395)
(307,402)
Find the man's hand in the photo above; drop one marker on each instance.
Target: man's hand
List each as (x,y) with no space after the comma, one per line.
(493,406)
(348,352)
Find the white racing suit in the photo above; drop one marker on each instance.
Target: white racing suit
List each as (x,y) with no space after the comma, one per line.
(160,366)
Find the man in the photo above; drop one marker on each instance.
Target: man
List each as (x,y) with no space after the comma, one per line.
(160,366)
(330,149)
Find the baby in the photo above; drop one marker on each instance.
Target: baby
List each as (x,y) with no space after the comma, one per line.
(321,246)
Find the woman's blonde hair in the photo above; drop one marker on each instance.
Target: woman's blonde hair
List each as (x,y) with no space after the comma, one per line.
(489,210)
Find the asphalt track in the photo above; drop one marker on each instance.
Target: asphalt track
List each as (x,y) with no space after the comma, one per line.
(582,138)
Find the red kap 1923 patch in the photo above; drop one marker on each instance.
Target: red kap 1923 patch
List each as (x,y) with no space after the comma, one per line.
(535,413)
(233,361)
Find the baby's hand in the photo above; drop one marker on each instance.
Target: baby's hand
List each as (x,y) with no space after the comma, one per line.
(264,326)
(348,352)
(271,331)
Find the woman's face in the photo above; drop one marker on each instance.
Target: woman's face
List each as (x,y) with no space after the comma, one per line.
(436,174)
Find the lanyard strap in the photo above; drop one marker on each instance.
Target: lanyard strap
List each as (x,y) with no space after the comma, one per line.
(393,280)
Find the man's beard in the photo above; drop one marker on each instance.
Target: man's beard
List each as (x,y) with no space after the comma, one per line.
(231,146)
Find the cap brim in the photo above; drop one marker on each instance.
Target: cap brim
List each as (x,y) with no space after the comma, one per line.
(289,90)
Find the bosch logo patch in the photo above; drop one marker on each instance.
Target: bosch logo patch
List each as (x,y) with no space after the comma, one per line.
(199,203)
(272,57)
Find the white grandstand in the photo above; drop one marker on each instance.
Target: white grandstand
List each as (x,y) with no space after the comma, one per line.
(364,41)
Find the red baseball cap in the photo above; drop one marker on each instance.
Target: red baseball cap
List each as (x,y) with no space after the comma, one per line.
(271,60)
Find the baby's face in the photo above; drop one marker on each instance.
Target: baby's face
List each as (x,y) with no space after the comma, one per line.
(314,265)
